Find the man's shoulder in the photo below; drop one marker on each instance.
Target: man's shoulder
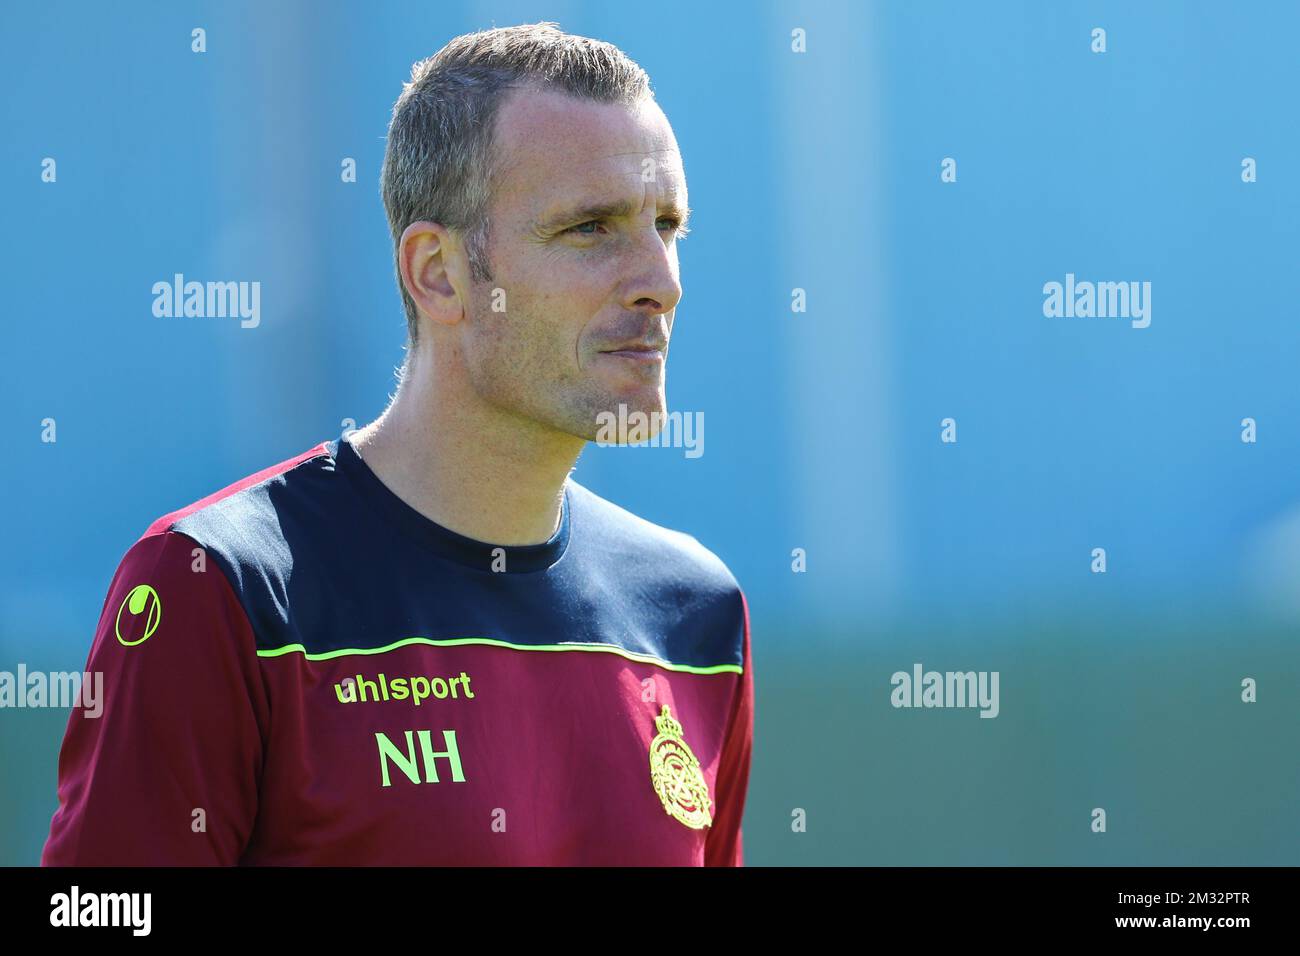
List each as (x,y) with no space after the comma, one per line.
(245,526)
(250,497)
(642,544)
(683,597)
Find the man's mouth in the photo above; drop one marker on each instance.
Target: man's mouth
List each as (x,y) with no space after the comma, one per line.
(639,350)
(638,353)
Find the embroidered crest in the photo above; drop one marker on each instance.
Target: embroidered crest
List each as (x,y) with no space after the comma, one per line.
(675,775)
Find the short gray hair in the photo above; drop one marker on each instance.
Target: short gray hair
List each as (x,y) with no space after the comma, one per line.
(439,163)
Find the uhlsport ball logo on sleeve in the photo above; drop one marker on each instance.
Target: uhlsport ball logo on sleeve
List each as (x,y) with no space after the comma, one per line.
(675,775)
(138,616)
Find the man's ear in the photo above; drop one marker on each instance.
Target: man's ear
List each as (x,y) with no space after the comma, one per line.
(434,270)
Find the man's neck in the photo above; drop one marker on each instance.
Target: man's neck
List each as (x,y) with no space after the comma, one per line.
(475,469)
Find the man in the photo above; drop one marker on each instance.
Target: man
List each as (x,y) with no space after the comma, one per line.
(423,643)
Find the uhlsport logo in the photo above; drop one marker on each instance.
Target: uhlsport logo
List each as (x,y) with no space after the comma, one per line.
(675,775)
(143,614)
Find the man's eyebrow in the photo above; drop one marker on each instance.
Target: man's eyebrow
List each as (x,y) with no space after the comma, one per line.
(615,209)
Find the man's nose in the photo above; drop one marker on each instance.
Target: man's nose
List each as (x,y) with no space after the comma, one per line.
(654,288)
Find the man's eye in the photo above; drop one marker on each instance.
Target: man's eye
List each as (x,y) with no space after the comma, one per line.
(664,222)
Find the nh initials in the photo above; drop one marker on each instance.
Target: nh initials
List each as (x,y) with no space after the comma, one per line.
(405,760)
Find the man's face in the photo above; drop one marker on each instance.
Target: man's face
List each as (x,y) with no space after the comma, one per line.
(584,218)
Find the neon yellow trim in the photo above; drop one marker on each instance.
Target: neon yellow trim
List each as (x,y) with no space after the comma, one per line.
(460,641)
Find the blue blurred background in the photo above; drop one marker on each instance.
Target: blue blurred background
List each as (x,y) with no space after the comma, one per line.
(820,171)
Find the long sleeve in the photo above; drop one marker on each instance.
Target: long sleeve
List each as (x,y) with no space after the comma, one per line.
(724,845)
(167,772)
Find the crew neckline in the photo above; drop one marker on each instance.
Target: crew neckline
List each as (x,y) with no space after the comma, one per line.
(448,544)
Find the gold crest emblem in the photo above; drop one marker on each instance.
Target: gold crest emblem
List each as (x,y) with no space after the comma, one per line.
(675,775)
